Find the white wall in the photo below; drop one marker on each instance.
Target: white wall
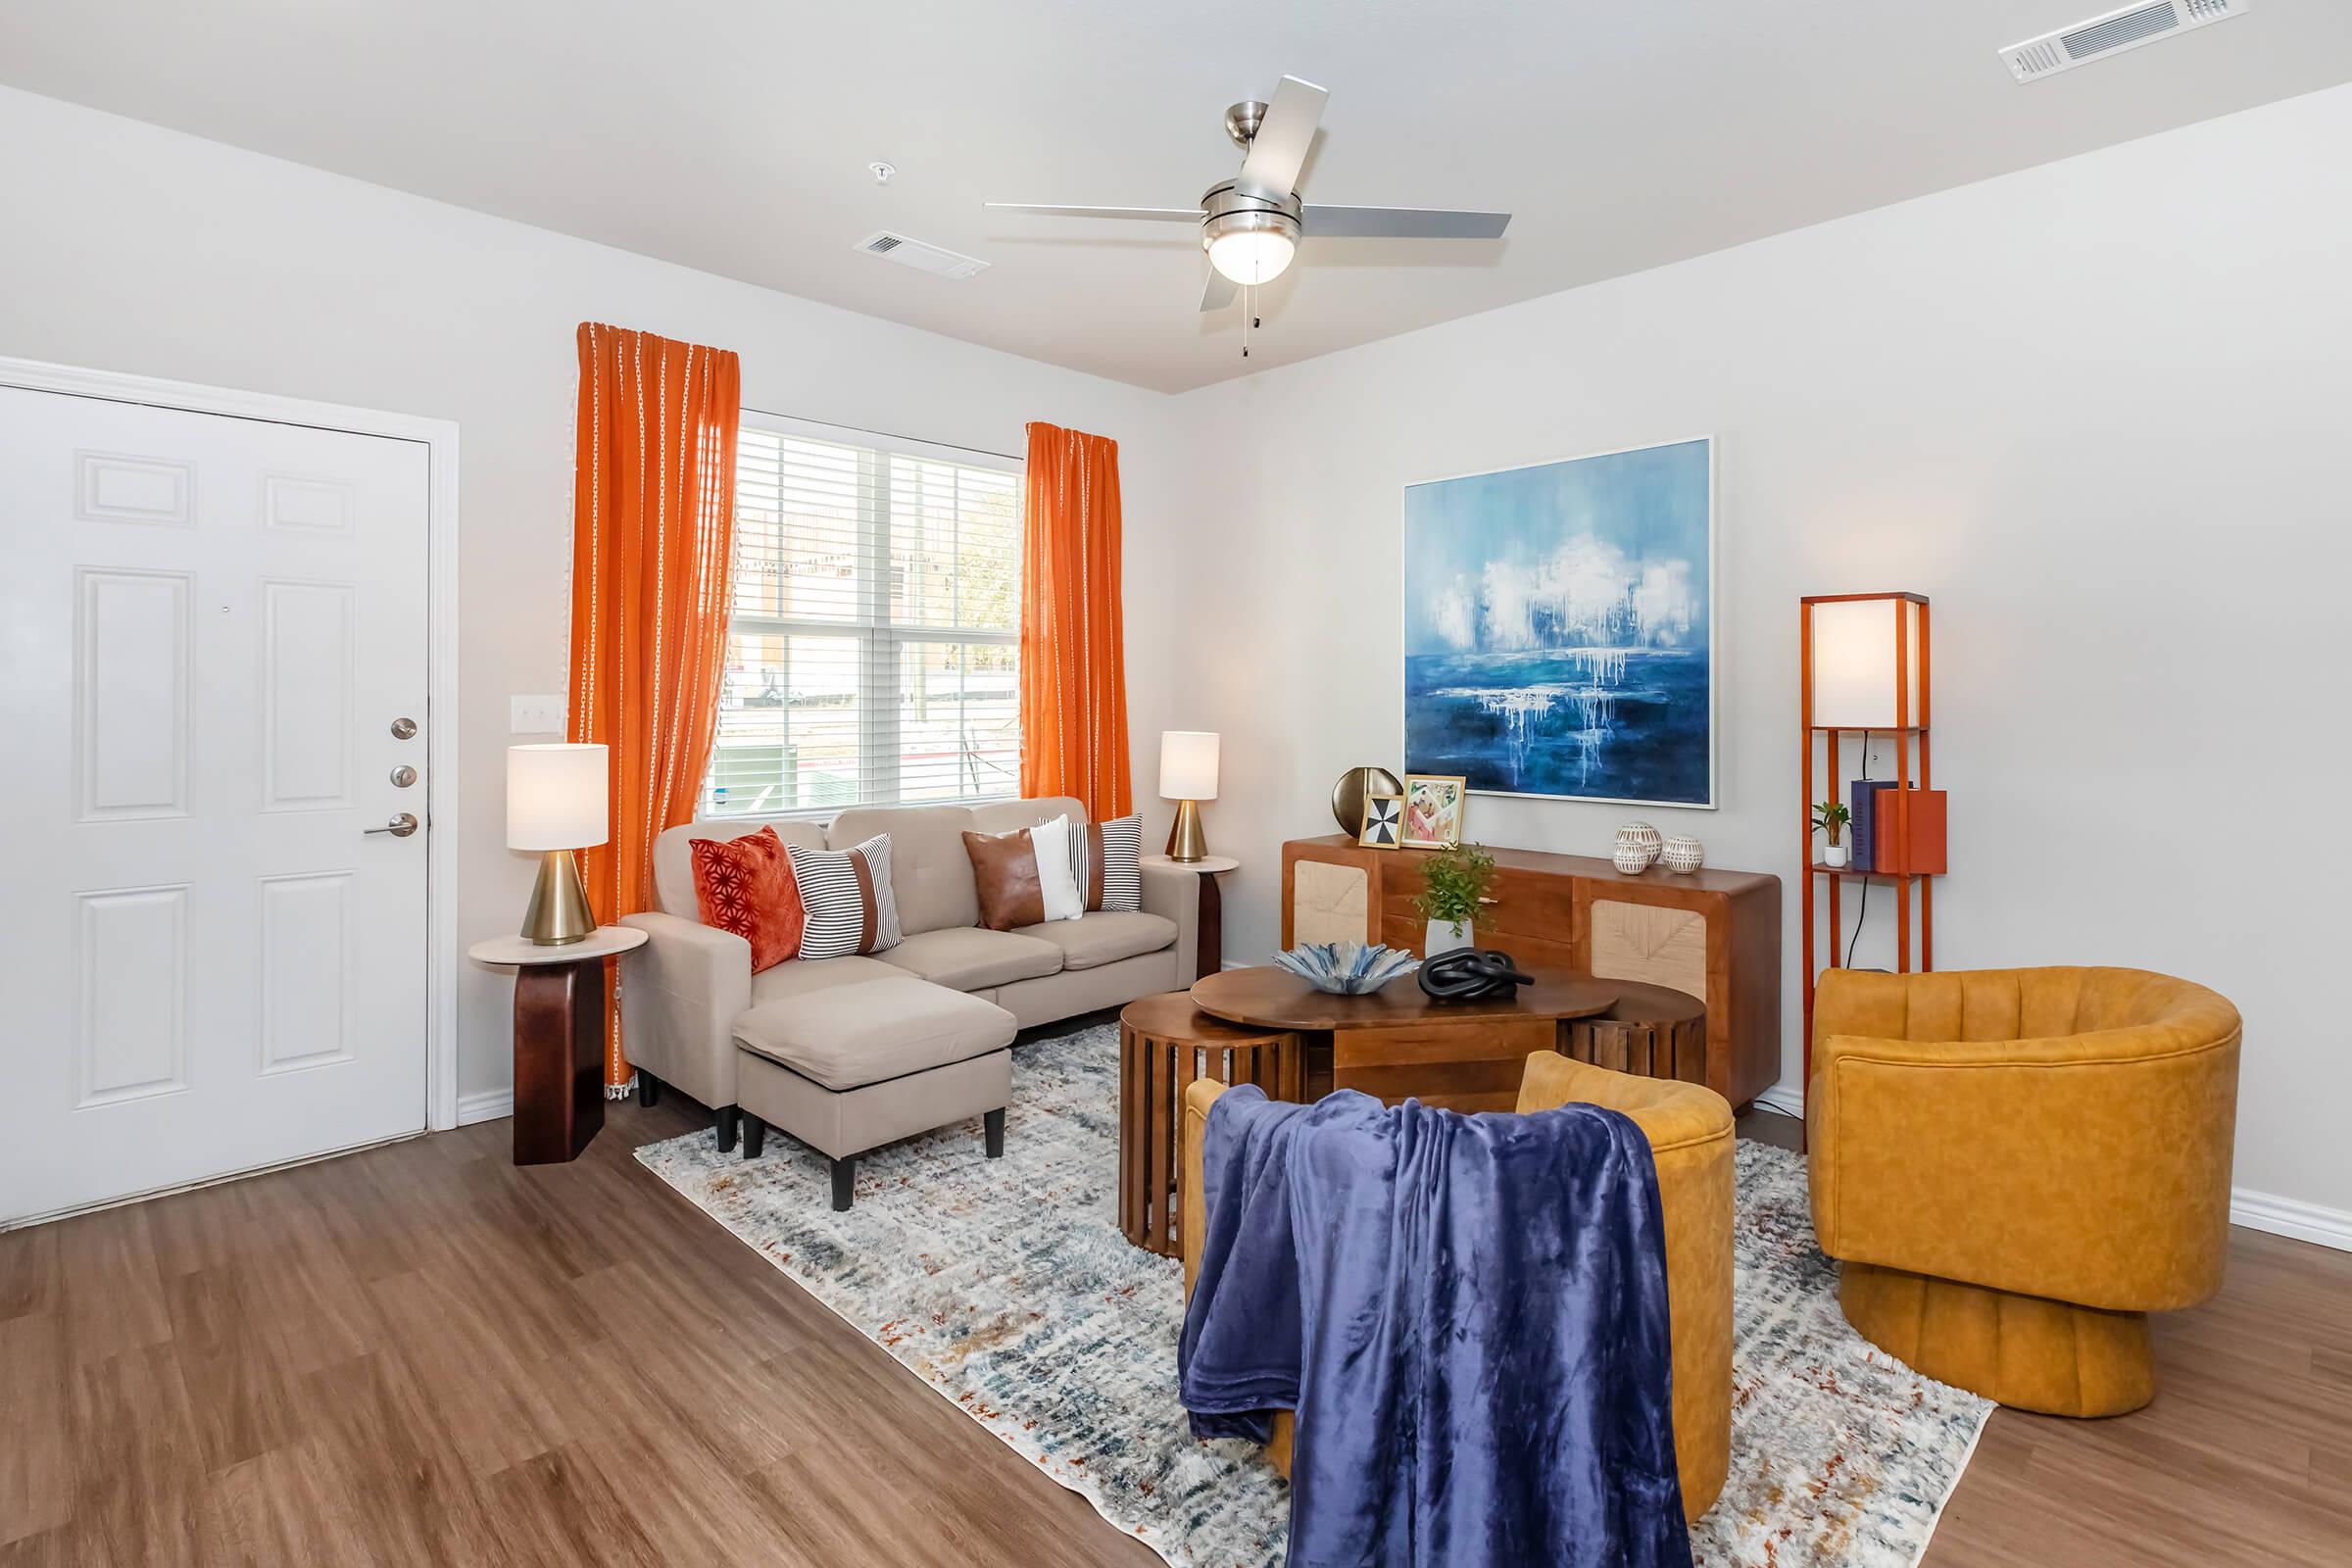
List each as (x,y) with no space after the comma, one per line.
(2100,412)
(125,247)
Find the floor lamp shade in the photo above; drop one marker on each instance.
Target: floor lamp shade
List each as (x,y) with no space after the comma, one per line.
(1865,670)
(1188,775)
(559,798)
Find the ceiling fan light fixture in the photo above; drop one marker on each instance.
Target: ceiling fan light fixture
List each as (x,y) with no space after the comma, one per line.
(1251,247)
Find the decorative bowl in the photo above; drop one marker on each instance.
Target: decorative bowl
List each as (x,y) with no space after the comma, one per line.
(1347,968)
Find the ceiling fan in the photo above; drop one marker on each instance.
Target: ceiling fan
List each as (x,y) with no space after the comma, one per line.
(1251,224)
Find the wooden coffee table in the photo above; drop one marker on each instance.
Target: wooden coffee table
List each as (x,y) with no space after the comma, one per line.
(1396,1041)
(1164,1044)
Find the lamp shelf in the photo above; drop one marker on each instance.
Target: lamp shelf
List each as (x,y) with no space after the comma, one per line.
(1866,729)
(1864,657)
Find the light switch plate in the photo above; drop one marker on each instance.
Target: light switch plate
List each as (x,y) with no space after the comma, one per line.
(537,715)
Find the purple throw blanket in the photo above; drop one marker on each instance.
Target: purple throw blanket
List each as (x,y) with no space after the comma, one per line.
(1468,1314)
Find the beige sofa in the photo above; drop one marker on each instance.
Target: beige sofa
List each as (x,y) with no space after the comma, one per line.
(849,1053)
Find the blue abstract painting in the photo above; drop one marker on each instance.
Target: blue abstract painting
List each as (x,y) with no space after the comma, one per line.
(1560,628)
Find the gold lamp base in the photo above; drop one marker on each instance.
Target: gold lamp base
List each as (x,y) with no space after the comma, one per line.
(558,910)
(1187,841)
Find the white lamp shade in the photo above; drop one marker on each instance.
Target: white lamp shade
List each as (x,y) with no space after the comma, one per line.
(1188,764)
(557,797)
(1853,663)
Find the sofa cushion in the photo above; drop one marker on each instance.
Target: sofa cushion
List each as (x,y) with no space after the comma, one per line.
(845,895)
(971,957)
(1007,876)
(673,862)
(930,875)
(847,1036)
(1104,937)
(745,886)
(804,976)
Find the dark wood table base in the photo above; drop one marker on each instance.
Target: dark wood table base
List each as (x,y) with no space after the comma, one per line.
(1650,1031)
(559,1059)
(1166,1043)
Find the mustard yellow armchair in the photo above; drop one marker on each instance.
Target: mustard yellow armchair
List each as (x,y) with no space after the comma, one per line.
(1690,1131)
(2016,1166)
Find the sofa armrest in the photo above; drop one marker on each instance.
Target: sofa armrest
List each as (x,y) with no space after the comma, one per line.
(1174,894)
(2107,1156)
(680,996)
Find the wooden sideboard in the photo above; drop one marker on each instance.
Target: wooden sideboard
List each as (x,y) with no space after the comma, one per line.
(1715,935)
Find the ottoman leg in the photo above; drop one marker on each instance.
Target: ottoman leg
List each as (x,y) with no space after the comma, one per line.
(992,1128)
(845,1182)
(725,1121)
(648,1088)
(754,1135)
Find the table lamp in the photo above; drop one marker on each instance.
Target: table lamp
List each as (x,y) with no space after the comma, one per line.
(558,800)
(1188,775)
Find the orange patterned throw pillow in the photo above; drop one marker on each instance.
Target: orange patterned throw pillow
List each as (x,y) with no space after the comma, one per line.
(746,886)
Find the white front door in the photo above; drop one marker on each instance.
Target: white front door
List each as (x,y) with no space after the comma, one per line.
(211,630)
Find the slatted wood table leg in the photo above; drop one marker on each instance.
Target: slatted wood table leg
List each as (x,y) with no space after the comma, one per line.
(1164,1044)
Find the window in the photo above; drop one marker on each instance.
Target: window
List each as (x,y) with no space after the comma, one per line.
(874,646)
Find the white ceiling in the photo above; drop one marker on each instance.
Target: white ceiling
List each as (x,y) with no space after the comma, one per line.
(733,136)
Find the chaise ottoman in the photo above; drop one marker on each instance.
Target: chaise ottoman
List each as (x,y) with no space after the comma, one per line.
(850,1068)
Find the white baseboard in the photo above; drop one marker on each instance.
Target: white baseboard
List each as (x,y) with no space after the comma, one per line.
(488,1106)
(2292,1217)
(2257,1211)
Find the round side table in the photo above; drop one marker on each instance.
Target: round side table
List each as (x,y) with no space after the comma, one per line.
(559,1038)
(1166,1043)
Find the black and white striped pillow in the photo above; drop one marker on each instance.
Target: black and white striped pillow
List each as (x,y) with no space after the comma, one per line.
(1112,871)
(847,896)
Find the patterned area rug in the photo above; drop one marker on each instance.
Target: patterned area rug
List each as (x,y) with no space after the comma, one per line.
(1007,1287)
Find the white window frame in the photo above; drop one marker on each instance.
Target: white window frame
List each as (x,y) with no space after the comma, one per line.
(880,643)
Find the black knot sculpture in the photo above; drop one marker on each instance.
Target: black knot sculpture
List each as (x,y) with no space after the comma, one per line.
(1472,974)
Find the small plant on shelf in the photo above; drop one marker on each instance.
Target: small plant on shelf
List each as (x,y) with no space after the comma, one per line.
(1831,817)
(1453,883)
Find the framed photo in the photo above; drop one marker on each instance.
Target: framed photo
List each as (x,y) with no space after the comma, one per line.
(1433,811)
(1384,822)
(1560,627)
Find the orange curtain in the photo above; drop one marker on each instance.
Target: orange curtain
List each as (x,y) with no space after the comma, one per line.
(1074,660)
(653,538)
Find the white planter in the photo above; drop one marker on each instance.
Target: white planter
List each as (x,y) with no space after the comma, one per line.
(1833,855)
(1445,938)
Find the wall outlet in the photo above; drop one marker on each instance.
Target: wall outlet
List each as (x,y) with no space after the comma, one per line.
(536,716)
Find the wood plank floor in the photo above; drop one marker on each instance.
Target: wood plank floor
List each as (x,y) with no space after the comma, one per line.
(422,1355)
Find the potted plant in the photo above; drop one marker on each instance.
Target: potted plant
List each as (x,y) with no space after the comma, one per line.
(1830,817)
(1453,884)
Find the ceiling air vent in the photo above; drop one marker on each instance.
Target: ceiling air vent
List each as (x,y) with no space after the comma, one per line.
(2113,33)
(923,257)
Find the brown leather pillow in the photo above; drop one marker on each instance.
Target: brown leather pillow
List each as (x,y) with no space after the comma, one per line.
(1005,870)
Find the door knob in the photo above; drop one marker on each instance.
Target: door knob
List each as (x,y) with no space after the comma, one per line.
(402,728)
(400,827)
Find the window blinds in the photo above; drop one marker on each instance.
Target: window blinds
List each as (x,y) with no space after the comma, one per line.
(872,647)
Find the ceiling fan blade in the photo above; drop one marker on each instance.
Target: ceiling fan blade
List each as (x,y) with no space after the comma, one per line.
(1218,293)
(1400,222)
(1279,149)
(1188,215)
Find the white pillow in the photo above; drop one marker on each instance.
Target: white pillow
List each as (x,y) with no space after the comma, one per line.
(1057,870)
